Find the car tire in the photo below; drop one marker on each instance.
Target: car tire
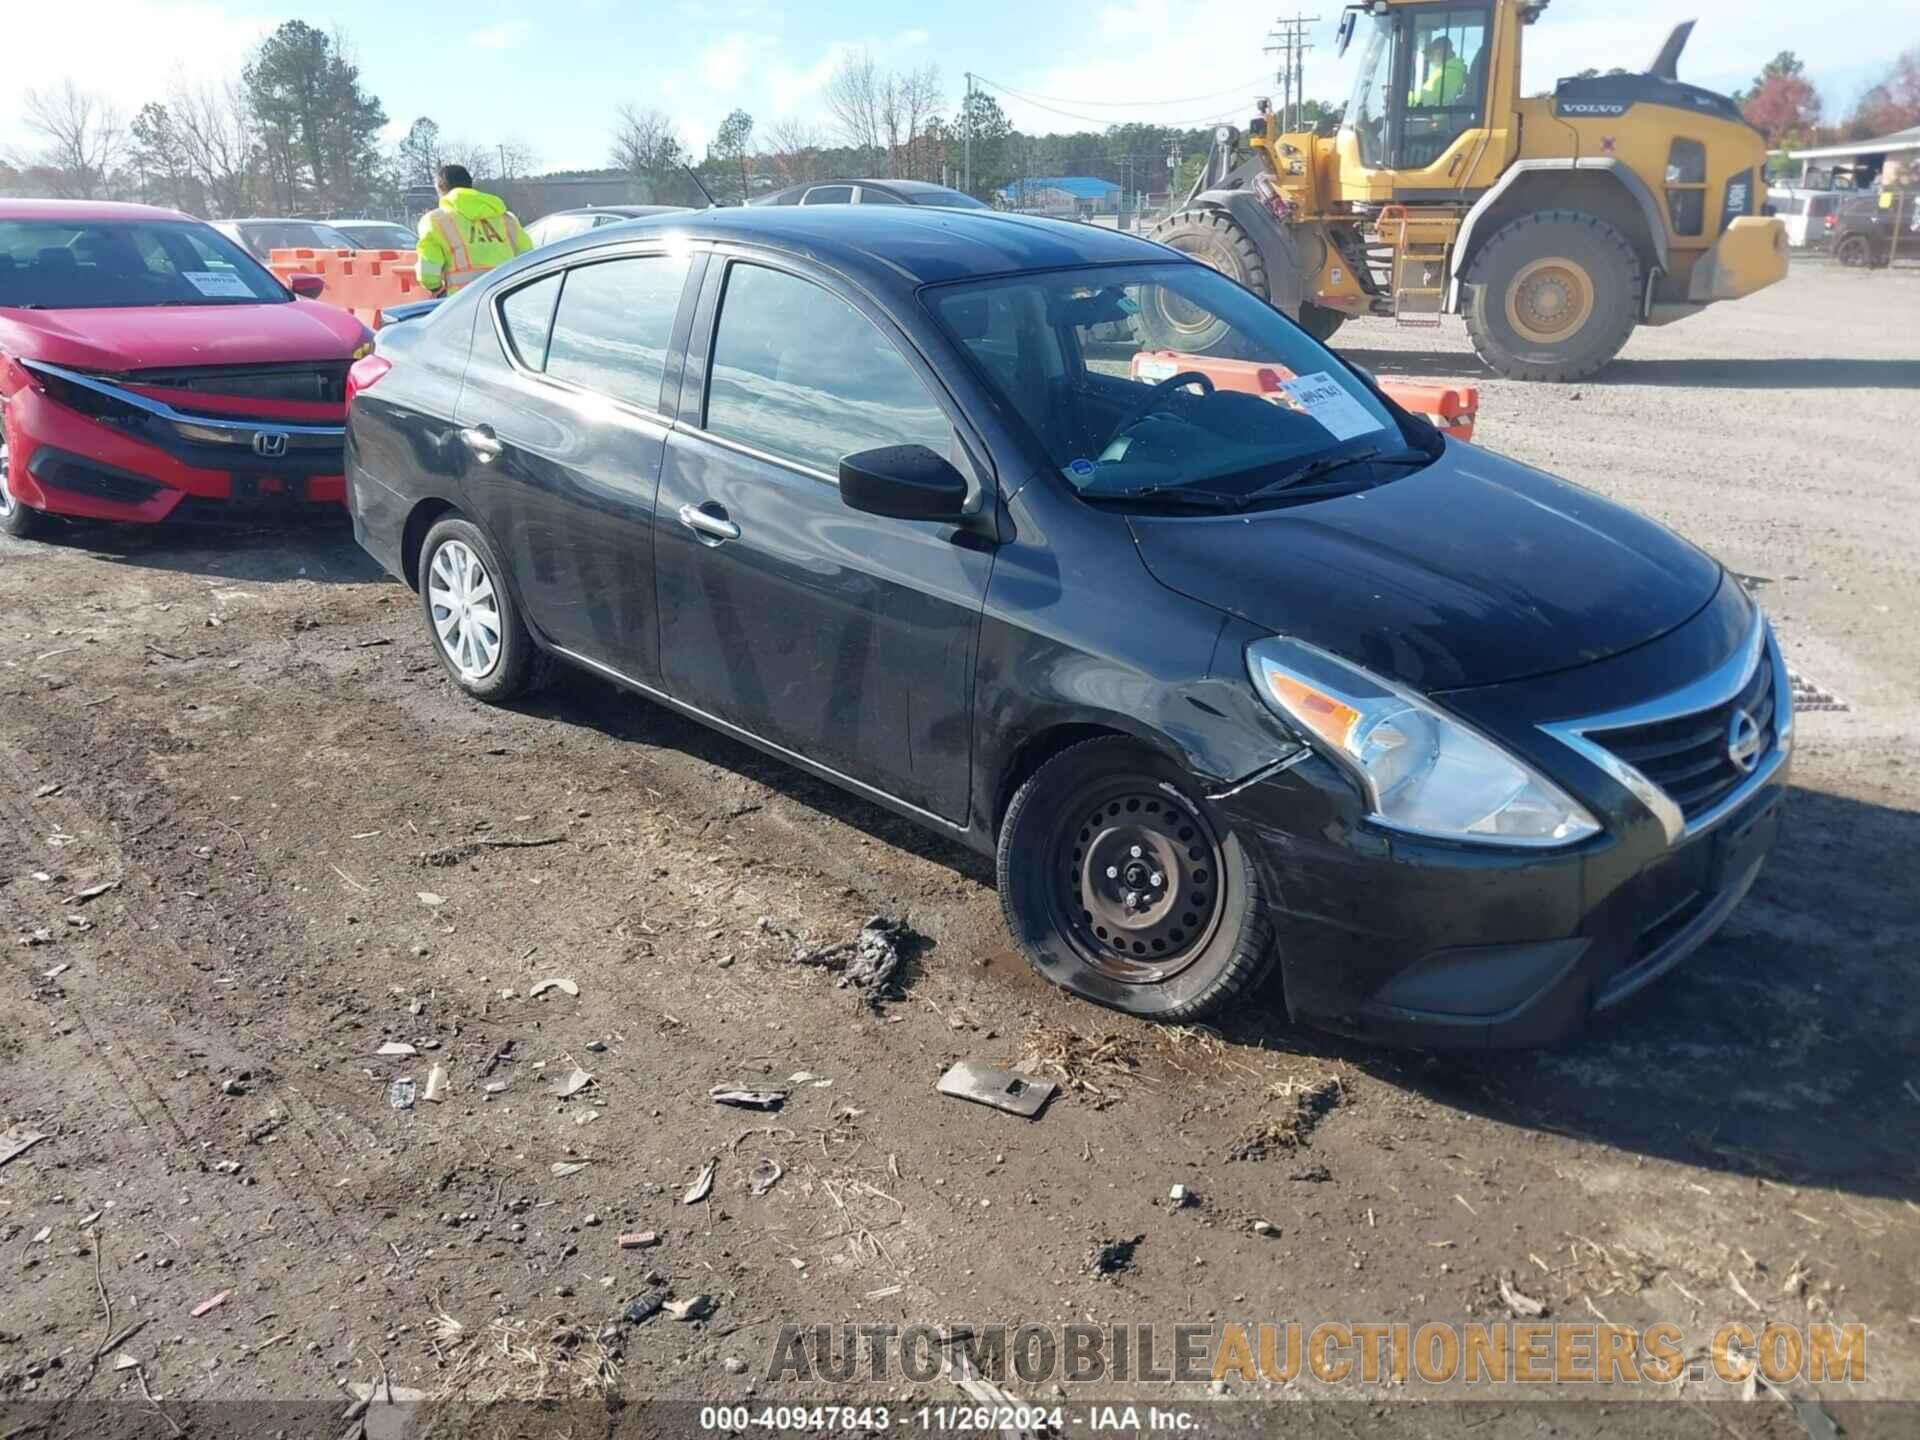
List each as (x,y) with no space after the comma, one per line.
(472,618)
(17,518)
(1215,239)
(1199,936)
(1854,252)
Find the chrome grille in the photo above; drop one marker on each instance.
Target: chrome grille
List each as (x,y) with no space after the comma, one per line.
(1688,756)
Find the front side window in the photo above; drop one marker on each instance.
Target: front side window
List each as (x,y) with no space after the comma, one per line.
(799,373)
(1372,90)
(62,264)
(1447,75)
(614,325)
(1168,385)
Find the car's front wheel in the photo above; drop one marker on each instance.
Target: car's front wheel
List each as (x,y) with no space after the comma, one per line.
(1120,886)
(476,626)
(16,517)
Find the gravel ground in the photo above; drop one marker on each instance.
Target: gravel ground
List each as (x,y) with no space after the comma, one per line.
(316,848)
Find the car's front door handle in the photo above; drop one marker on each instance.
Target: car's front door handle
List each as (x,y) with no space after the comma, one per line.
(700,522)
(483,442)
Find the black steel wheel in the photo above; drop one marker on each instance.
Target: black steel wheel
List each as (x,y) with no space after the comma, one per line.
(1121,886)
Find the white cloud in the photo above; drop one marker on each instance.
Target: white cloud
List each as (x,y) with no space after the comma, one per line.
(503,36)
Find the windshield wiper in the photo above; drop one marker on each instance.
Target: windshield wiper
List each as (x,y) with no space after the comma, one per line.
(1172,495)
(1327,465)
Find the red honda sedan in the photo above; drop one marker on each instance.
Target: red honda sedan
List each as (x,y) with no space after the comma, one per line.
(151,369)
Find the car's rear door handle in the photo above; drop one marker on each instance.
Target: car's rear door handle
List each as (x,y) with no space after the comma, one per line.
(483,442)
(702,523)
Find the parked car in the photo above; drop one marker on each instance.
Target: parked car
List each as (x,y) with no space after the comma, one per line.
(564,223)
(263,237)
(1869,230)
(873,192)
(150,368)
(1805,213)
(1219,678)
(375,234)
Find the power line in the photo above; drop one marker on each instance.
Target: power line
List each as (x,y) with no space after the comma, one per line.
(1193,124)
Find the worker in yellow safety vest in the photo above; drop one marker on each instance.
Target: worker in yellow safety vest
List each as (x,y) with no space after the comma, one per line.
(1446,77)
(466,235)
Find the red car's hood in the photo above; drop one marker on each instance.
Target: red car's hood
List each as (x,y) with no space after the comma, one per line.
(158,337)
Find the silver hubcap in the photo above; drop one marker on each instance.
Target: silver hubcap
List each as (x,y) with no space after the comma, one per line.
(466,612)
(6,495)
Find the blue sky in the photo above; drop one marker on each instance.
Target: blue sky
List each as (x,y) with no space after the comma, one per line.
(551,74)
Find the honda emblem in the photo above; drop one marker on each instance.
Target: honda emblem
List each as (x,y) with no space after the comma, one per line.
(269,444)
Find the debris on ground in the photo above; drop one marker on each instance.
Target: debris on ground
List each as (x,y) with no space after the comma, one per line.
(397,1049)
(436,1090)
(868,962)
(540,987)
(401,1094)
(57,971)
(427,897)
(1111,1257)
(1080,1061)
(638,1240)
(39,935)
(1522,1305)
(734,1365)
(695,1307)
(563,1168)
(529,1360)
(1265,1227)
(1300,1105)
(702,1184)
(572,1085)
(644,1306)
(16,1142)
(998,1403)
(1180,1197)
(92,892)
(766,1175)
(212,1303)
(1022,1095)
(126,1362)
(747,1099)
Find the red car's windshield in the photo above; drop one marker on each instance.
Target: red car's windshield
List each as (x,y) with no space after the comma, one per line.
(92,265)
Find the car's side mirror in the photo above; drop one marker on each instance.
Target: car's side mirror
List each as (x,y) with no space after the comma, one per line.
(903,482)
(307,286)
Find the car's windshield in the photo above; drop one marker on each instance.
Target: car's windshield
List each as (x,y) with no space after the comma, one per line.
(92,265)
(1164,380)
(379,237)
(263,237)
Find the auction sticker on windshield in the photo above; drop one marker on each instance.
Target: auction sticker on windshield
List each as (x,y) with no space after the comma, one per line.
(218,283)
(1327,401)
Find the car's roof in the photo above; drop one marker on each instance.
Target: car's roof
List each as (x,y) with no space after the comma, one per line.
(889,246)
(629,210)
(82,210)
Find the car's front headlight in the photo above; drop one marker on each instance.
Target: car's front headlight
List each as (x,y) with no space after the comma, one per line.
(1422,770)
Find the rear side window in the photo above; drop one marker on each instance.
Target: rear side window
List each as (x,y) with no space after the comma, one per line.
(614,324)
(526,316)
(800,373)
(828,195)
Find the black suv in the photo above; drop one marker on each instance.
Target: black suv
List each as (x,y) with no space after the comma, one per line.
(1871,230)
(1225,658)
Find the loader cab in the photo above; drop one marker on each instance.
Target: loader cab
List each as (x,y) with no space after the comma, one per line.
(1429,118)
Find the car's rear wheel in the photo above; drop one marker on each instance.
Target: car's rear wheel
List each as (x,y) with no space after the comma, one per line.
(476,627)
(1121,887)
(1854,252)
(17,518)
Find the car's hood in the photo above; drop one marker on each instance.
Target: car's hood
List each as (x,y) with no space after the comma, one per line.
(160,337)
(1470,572)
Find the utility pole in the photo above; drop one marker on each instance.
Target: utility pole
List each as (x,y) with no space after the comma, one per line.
(967,110)
(1288,40)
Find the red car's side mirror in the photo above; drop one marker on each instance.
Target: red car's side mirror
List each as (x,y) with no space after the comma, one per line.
(306,286)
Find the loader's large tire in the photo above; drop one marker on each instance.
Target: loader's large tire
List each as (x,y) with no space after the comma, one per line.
(1213,238)
(1553,296)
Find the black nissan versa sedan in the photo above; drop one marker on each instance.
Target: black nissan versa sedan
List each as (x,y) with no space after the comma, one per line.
(1227,660)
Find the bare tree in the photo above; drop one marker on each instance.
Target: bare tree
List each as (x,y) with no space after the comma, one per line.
(922,98)
(794,147)
(856,99)
(213,125)
(646,142)
(85,139)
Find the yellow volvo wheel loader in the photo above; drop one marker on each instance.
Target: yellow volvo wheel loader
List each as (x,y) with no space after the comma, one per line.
(1553,224)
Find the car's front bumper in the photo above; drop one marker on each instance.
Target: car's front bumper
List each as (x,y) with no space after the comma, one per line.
(67,463)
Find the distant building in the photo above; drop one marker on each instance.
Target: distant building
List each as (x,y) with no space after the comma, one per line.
(1061,195)
(1892,160)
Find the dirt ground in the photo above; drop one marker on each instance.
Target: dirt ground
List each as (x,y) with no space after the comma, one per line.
(315,846)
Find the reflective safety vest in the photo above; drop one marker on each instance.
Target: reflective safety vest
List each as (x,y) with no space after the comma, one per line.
(468,238)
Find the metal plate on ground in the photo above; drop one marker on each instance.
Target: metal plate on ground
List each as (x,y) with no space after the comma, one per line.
(1809,696)
(1022,1095)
